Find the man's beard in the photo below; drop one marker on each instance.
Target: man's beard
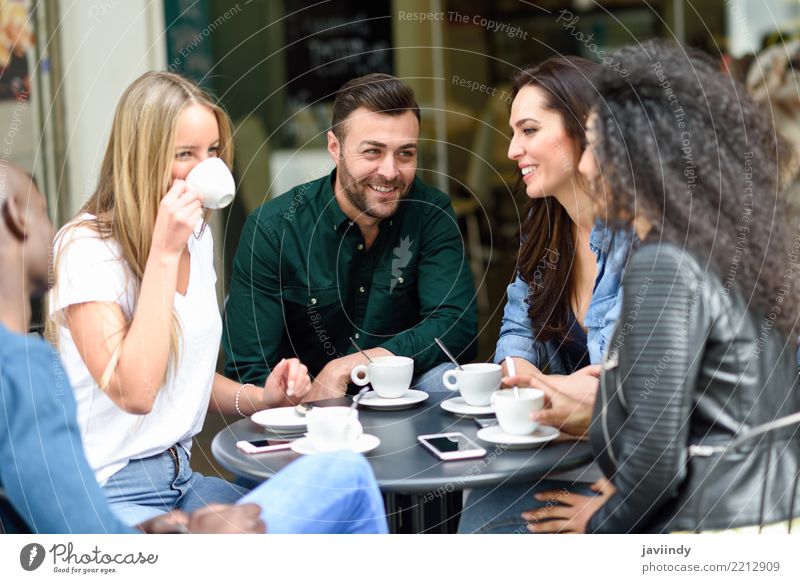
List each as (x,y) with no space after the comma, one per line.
(356,194)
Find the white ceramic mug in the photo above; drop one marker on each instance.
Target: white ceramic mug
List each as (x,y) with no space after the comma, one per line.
(514,413)
(214,181)
(476,382)
(390,376)
(333,428)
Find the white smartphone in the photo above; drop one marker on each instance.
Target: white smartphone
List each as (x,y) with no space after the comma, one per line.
(263,445)
(451,446)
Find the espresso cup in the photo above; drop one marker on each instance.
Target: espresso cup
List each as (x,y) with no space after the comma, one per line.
(390,376)
(514,413)
(476,382)
(333,428)
(214,181)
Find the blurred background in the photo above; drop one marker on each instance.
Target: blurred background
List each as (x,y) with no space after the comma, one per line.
(275,65)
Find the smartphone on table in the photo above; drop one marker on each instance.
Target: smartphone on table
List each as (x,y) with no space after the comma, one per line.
(451,446)
(263,445)
(484,422)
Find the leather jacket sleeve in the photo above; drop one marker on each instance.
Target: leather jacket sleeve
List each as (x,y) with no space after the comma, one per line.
(641,418)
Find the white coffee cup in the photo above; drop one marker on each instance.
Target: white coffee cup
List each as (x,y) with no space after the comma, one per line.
(514,413)
(390,376)
(333,428)
(476,382)
(214,181)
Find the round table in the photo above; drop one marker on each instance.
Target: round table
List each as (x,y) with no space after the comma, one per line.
(403,466)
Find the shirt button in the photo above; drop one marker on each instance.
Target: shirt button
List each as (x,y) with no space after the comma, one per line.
(399,280)
(361,289)
(313,300)
(360,246)
(357,335)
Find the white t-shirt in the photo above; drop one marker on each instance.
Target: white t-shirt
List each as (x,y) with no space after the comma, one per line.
(91,269)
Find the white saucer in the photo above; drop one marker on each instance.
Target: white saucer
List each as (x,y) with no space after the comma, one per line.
(410,399)
(495,434)
(280,420)
(365,443)
(459,406)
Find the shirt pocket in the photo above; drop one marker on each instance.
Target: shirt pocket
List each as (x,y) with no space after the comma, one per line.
(394,305)
(315,319)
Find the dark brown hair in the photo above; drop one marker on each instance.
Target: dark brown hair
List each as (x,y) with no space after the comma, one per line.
(548,239)
(377,92)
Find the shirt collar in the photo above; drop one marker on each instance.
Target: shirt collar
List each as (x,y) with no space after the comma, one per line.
(600,238)
(335,217)
(332,212)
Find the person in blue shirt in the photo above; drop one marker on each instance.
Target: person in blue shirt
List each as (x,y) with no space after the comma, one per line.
(46,484)
(565,300)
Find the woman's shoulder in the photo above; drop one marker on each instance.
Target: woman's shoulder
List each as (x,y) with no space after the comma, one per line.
(83,226)
(83,235)
(666,261)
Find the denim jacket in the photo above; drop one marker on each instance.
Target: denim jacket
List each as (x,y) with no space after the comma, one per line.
(43,468)
(517,337)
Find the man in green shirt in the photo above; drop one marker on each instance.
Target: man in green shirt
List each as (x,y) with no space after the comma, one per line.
(369,252)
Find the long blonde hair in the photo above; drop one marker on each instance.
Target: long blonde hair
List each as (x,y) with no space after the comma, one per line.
(135,175)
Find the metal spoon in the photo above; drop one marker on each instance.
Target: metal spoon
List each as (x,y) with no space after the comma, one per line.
(357,347)
(512,371)
(447,352)
(302,409)
(358,396)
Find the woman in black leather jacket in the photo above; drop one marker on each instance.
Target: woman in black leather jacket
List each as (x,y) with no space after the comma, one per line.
(705,348)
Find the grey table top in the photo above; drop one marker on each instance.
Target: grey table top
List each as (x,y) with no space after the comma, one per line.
(400,463)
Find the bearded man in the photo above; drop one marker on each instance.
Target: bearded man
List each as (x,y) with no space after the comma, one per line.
(369,252)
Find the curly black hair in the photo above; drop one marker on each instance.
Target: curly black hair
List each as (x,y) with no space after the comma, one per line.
(682,144)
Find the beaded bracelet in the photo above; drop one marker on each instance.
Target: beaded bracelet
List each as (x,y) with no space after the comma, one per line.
(238,394)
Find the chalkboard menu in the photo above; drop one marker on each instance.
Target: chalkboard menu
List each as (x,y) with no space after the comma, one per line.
(334,42)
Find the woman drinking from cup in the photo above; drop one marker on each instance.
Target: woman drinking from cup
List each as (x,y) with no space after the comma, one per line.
(134,309)
(563,304)
(703,359)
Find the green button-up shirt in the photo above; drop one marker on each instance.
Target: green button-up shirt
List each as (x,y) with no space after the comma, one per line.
(303,282)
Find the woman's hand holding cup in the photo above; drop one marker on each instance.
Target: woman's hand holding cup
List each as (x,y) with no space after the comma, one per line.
(178,214)
(569,414)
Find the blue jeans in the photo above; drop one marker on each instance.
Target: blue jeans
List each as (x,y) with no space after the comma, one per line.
(151,486)
(332,493)
(322,494)
(498,510)
(431,381)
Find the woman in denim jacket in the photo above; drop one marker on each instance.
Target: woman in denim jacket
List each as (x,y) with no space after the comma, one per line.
(565,299)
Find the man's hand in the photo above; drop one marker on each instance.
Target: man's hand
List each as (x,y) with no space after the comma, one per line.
(332,380)
(227,519)
(174,522)
(213,519)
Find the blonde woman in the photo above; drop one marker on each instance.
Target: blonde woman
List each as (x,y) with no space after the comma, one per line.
(134,310)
